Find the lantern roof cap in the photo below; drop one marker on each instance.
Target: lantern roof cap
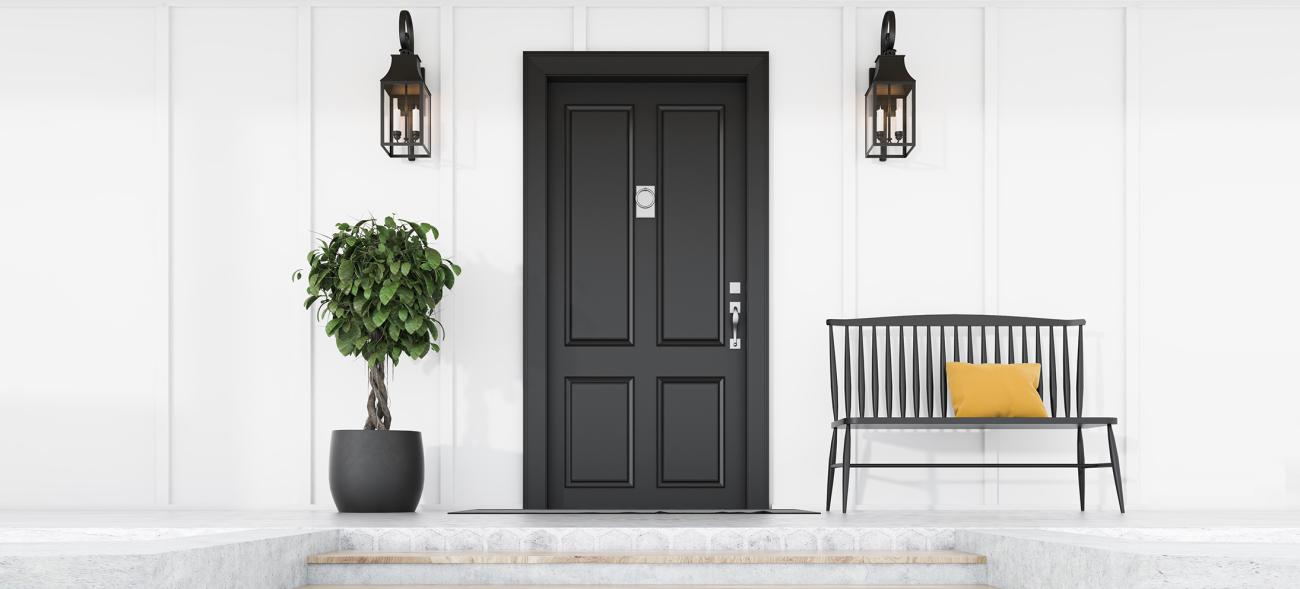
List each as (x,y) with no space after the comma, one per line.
(404,67)
(890,68)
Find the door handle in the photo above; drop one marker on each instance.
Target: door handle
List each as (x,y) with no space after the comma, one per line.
(734,308)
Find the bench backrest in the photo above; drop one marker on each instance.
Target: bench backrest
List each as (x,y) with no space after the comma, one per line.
(894,366)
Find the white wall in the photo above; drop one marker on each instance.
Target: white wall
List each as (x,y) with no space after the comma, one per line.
(163,167)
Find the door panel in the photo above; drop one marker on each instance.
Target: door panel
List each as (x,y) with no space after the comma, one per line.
(690,188)
(645,399)
(600,236)
(692,434)
(598,417)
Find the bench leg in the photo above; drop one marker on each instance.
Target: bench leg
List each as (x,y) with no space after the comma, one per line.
(844,477)
(1114,467)
(830,469)
(1081,469)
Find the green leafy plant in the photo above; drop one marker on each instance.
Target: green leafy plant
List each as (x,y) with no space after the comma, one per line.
(376,285)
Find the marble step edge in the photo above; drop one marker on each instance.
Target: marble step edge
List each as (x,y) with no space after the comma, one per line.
(941,557)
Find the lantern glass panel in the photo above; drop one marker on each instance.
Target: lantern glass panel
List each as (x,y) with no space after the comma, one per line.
(405,121)
(891,119)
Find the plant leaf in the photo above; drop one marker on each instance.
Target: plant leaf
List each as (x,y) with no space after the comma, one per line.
(387,291)
(380,316)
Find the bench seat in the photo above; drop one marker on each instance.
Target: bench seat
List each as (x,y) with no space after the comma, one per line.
(974,422)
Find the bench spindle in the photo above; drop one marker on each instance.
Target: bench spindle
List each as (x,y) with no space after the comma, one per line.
(970,344)
(1024,344)
(835,380)
(1078,393)
(943,372)
(1038,358)
(902,374)
(1065,368)
(862,380)
(997,344)
(929,372)
(848,374)
(889,376)
(875,377)
(1051,373)
(916,375)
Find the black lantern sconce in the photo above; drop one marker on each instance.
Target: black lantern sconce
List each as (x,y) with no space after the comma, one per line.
(404,99)
(891,101)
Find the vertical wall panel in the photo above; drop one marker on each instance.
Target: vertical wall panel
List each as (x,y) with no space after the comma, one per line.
(1219,121)
(238,334)
(920,228)
(353,178)
(489,208)
(84,264)
(643,28)
(805,205)
(1061,203)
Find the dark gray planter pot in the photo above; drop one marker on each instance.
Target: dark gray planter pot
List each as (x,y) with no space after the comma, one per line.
(376,471)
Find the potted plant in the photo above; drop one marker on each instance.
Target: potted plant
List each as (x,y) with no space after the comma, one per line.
(376,285)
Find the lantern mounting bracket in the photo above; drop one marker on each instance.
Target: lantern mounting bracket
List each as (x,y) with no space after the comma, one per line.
(887,33)
(405,32)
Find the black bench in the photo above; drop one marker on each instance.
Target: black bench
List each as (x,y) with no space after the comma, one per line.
(921,378)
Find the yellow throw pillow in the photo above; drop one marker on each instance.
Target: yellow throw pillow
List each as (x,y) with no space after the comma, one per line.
(995,390)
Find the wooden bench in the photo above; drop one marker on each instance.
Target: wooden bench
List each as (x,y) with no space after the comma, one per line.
(904,385)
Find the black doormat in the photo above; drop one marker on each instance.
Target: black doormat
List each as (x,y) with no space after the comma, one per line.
(630,511)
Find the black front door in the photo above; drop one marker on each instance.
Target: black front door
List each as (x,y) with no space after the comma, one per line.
(646,221)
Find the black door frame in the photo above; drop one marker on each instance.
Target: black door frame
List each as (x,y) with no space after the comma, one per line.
(540,69)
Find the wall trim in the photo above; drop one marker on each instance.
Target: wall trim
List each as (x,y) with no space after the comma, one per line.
(992,210)
(447,241)
(306,163)
(850,130)
(163,161)
(1132,254)
(715,28)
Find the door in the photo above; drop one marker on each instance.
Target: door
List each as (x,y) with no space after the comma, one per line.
(646,352)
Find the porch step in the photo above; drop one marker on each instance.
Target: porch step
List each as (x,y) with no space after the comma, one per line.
(652,586)
(876,568)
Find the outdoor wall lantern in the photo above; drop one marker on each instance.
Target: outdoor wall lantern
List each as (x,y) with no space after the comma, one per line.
(404,99)
(891,101)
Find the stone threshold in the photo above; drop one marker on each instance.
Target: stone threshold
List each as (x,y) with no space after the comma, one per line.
(885,557)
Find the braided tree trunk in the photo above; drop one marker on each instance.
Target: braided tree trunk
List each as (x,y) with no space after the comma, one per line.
(377,407)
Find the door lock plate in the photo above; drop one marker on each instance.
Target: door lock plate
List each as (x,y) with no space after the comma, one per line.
(643,202)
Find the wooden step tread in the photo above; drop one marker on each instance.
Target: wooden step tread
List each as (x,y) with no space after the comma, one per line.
(518,557)
(652,586)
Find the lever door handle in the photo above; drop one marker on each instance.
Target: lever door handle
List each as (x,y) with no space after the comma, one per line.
(734,308)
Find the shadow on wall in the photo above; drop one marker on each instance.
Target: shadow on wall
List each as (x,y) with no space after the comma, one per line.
(487,328)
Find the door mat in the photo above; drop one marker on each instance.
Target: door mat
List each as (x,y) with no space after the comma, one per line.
(630,511)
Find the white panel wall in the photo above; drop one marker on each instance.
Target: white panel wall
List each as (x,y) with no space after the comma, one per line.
(1060,220)
(804,238)
(349,45)
(647,29)
(1218,240)
(84,357)
(919,233)
(489,243)
(239,344)
(158,353)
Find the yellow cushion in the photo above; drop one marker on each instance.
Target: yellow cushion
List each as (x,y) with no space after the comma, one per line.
(995,390)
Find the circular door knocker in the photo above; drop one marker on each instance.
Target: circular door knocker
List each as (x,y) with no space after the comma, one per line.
(644,198)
